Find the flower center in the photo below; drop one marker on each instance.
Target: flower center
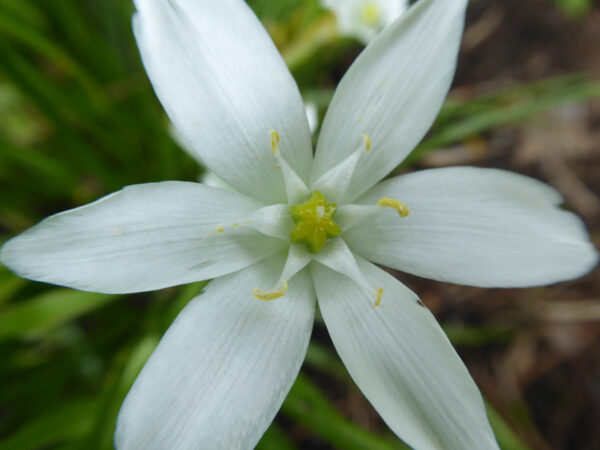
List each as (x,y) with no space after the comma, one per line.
(314,222)
(370,13)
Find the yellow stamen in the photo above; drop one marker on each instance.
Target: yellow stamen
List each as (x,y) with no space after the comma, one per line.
(367,139)
(269,296)
(378,296)
(220,229)
(395,204)
(275,142)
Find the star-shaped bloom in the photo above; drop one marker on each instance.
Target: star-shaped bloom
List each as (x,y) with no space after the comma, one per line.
(364,19)
(298,228)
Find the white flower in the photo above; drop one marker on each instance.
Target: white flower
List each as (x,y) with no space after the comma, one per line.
(224,367)
(364,19)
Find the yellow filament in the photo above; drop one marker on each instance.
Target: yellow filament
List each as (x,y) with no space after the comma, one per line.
(395,204)
(275,142)
(269,296)
(367,139)
(378,296)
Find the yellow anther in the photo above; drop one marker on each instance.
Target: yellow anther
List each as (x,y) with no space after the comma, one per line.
(269,296)
(367,139)
(275,142)
(395,204)
(220,229)
(378,296)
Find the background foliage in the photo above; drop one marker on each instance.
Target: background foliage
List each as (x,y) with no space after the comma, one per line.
(78,120)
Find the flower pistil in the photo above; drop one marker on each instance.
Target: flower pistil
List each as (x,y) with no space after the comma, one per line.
(314,222)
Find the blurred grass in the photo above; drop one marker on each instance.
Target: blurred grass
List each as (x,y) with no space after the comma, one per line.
(575,8)
(78,120)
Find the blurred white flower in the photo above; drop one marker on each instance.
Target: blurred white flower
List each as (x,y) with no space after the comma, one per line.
(312,115)
(364,19)
(300,228)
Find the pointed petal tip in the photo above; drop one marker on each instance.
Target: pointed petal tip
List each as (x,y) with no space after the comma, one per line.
(409,66)
(196,56)
(589,263)
(479,227)
(403,362)
(224,385)
(11,256)
(142,238)
(4,256)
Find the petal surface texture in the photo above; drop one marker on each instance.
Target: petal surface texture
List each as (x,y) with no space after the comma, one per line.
(478,227)
(224,367)
(402,361)
(225,87)
(392,93)
(145,237)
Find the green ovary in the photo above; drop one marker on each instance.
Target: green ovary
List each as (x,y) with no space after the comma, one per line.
(314,222)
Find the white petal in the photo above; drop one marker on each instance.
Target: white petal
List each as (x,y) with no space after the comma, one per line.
(210,179)
(297,259)
(479,227)
(225,87)
(274,220)
(401,360)
(347,216)
(222,370)
(295,187)
(392,10)
(337,256)
(392,93)
(145,237)
(312,115)
(187,148)
(334,184)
